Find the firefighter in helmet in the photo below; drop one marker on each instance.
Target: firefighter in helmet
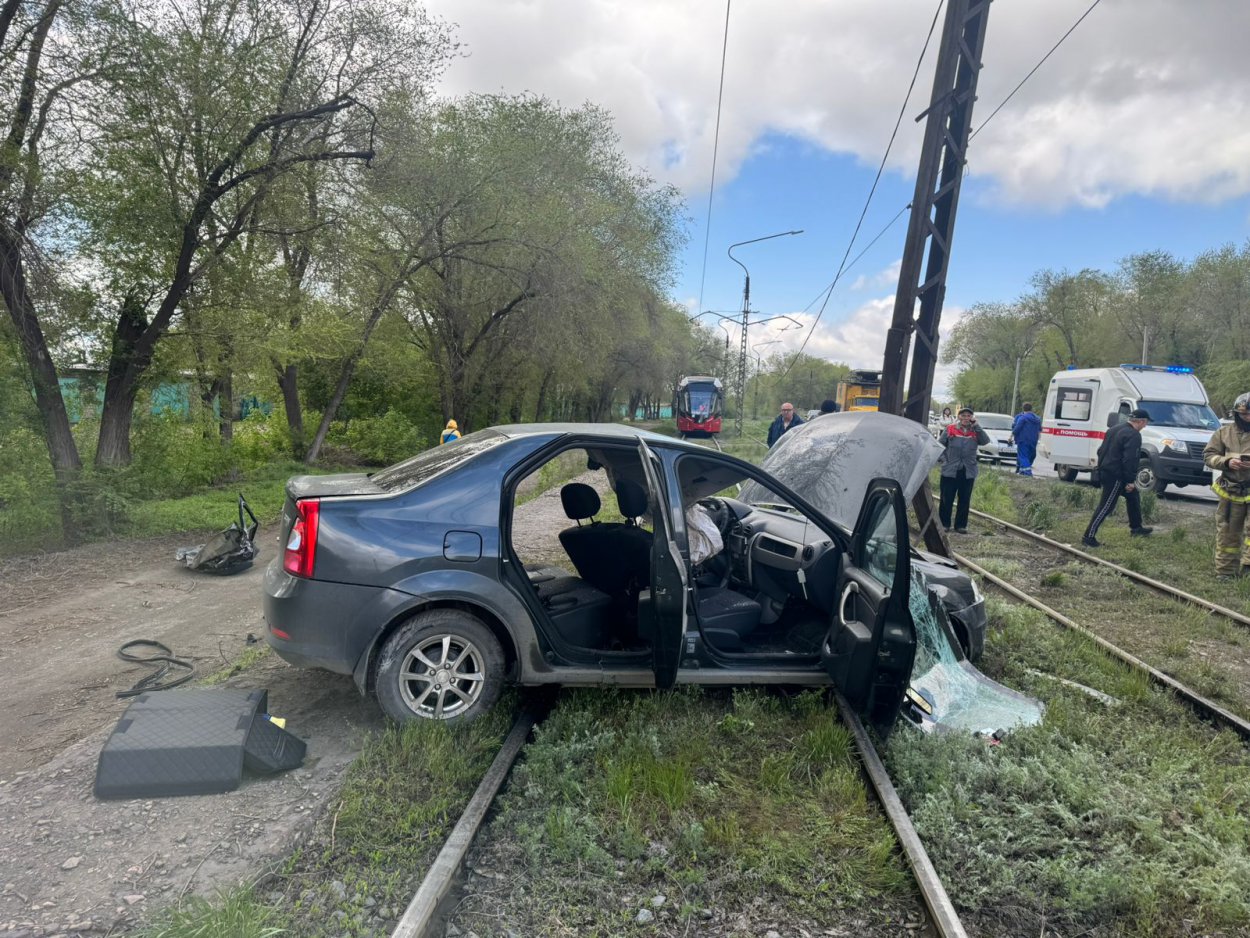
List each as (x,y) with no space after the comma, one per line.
(1229,453)
(452,432)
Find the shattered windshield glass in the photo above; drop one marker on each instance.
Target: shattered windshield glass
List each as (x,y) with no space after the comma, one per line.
(947,694)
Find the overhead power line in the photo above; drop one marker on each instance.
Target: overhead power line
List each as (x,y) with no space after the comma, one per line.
(842,267)
(720,94)
(1040,63)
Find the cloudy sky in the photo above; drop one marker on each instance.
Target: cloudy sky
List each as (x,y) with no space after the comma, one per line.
(1133,136)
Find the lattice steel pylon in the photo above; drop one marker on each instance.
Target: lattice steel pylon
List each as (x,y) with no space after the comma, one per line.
(932,225)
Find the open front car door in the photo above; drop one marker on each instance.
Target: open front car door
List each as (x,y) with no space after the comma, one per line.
(872,641)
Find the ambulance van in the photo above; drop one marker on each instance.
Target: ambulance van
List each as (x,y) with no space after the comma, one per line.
(1081,404)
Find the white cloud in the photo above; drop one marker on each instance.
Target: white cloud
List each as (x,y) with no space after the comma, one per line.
(882,278)
(1146,96)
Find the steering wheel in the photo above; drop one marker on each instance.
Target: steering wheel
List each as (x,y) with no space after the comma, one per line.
(720,514)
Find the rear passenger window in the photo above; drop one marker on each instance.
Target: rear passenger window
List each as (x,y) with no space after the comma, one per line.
(1073,403)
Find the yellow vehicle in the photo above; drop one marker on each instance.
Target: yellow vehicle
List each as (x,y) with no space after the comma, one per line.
(859,390)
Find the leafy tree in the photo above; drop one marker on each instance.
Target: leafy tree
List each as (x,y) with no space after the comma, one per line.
(217,105)
(49,57)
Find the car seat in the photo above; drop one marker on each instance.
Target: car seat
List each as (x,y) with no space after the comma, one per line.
(612,556)
(726,616)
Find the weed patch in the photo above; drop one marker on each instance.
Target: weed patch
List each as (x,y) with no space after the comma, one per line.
(1119,821)
(399,802)
(727,805)
(236,914)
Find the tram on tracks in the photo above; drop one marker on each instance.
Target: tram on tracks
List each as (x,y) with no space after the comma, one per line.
(698,404)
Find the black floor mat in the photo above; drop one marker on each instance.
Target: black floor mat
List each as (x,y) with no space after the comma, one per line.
(804,637)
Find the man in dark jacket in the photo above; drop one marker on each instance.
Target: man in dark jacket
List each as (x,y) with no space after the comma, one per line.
(1117,467)
(786,420)
(1025,431)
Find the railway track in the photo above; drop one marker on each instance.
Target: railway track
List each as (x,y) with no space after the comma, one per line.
(1205,707)
(422,917)
(1155,585)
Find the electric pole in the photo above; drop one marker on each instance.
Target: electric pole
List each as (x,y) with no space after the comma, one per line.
(932,226)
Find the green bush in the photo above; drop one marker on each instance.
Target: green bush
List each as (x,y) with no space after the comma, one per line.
(173,456)
(262,439)
(381,440)
(28,508)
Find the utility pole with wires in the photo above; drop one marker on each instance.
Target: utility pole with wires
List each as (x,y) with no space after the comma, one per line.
(932,226)
(740,382)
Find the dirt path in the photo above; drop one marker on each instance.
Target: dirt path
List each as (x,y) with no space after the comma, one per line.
(72,865)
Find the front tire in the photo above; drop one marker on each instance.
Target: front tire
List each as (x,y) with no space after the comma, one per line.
(443,665)
(1147,480)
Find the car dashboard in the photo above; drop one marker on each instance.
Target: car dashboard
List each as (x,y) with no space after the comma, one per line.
(778,552)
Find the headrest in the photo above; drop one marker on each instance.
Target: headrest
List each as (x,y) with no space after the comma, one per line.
(579,501)
(632,498)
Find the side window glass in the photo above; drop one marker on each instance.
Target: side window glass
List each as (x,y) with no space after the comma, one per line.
(1073,403)
(881,547)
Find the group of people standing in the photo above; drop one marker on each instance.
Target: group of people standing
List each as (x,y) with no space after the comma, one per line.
(1119,455)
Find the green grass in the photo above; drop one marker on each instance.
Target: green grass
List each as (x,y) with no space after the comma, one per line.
(741,802)
(1180,552)
(1124,821)
(251,656)
(233,915)
(400,799)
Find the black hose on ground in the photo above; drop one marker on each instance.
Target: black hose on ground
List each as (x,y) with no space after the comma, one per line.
(165,662)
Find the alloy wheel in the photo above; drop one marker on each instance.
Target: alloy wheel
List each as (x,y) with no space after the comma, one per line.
(441,676)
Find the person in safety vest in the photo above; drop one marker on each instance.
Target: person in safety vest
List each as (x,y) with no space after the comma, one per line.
(1025,431)
(959,467)
(451,433)
(1117,468)
(1229,452)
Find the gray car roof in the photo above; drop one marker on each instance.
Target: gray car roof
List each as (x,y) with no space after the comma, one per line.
(624,432)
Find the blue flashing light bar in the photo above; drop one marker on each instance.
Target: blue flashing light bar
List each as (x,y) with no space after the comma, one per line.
(1169,369)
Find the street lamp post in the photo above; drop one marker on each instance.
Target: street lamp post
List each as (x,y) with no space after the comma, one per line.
(746,316)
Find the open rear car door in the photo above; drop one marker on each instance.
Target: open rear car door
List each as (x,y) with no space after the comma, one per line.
(667,605)
(872,640)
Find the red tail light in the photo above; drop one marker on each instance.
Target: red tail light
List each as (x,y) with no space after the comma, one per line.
(301,544)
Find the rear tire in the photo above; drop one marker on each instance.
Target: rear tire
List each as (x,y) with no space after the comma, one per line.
(443,665)
(1147,481)
(1065,473)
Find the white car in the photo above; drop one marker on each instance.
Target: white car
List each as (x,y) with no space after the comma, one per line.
(998,428)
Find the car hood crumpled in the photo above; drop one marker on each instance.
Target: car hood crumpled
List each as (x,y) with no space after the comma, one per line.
(830,461)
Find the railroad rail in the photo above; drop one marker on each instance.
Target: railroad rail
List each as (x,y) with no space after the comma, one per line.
(421,911)
(941,909)
(1205,707)
(1122,571)
(420,918)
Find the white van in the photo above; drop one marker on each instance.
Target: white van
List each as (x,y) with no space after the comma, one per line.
(1082,403)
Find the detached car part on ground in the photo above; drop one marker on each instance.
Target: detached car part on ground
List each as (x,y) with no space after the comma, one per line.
(411,579)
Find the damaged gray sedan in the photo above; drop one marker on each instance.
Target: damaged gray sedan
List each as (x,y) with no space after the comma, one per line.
(672,564)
